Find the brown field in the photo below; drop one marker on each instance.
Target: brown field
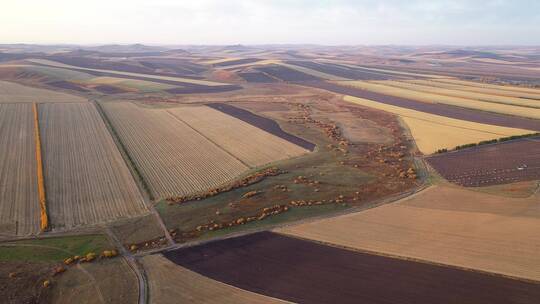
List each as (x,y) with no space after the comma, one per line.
(11,92)
(302,271)
(471,87)
(250,144)
(170,283)
(19,204)
(173,158)
(444,224)
(86,178)
(106,281)
(472,96)
(426,97)
(433,132)
(501,163)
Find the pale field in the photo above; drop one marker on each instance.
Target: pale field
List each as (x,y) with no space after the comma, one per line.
(140,85)
(500,91)
(443,99)
(443,224)
(174,159)
(471,96)
(19,203)
(51,72)
(171,283)
(86,178)
(11,92)
(385,71)
(313,72)
(253,146)
(262,62)
(433,132)
(488,85)
(496,61)
(178,79)
(220,60)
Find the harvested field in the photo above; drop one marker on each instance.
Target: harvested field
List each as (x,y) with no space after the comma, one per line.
(68,85)
(170,283)
(340,71)
(86,178)
(130,84)
(256,77)
(285,73)
(11,92)
(496,90)
(235,62)
(173,159)
(432,108)
(490,86)
(471,97)
(444,224)
(431,97)
(314,73)
(307,272)
(501,163)
(19,203)
(433,132)
(263,123)
(253,146)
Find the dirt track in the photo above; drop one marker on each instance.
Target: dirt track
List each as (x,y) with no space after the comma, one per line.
(307,272)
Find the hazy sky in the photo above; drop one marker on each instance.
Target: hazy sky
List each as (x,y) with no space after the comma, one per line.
(278,21)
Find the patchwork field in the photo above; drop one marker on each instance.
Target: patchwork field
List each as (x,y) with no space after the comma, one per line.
(433,132)
(253,146)
(86,178)
(307,272)
(19,204)
(502,163)
(11,92)
(170,283)
(443,224)
(173,158)
(435,96)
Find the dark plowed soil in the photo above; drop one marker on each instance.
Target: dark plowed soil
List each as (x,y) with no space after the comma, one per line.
(433,108)
(256,77)
(263,123)
(502,163)
(286,74)
(25,285)
(107,89)
(67,85)
(307,272)
(341,71)
(235,62)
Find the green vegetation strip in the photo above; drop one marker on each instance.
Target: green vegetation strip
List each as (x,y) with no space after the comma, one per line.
(487,142)
(52,249)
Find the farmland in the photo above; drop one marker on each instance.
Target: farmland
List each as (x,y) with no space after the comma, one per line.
(443,224)
(249,144)
(11,92)
(173,158)
(85,176)
(501,163)
(303,271)
(19,205)
(170,283)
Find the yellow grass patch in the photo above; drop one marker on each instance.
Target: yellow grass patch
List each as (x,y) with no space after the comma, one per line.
(433,132)
(449,100)
(171,283)
(178,79)
(443,224)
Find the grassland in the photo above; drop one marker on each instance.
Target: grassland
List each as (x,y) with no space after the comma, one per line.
(251,145)
(173,158)
(19,204)
(11,92)
(170,283)
(378,87)
(86,178)
(433,132)
(445,225)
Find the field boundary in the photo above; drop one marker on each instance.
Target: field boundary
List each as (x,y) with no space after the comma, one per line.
(44,215)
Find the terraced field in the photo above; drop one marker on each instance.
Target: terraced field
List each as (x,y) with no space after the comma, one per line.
(173,158)
(86,178)
(19,204)
(443,224)
(11,92)
(253,146)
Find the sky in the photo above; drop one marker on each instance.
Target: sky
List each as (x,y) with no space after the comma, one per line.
(219,22)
